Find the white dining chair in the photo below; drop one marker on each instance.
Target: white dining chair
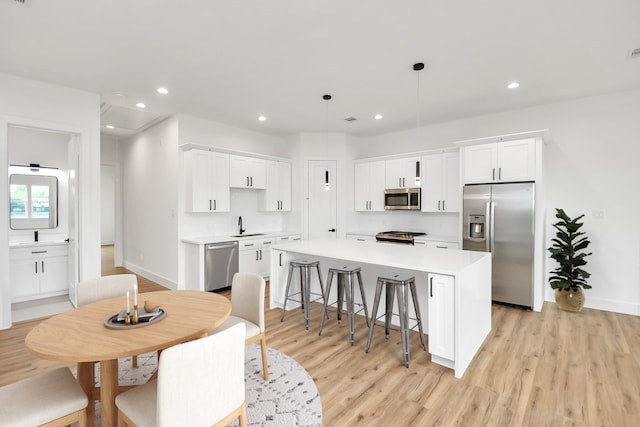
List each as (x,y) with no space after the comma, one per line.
(247,306)
(52,399)
(99,288)
(200,383)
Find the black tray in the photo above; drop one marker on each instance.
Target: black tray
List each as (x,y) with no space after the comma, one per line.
(145,319)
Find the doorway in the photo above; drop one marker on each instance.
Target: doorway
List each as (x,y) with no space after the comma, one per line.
(322,199)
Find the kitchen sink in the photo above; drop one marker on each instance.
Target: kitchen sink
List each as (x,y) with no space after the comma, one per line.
(248,235)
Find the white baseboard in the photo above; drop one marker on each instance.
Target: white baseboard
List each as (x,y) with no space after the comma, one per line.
(604,304)
(151,276)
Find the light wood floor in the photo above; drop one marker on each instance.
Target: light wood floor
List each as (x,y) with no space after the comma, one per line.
(535,369)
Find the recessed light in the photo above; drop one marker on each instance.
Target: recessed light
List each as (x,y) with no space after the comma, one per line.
(513,85)
(162,90)
(378,116)
(141,105)
(262,118)
(110,127)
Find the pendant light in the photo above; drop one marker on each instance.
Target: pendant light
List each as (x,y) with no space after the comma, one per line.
(417,67)
(326,172)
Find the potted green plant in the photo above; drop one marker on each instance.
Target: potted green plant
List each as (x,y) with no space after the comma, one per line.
(568,250)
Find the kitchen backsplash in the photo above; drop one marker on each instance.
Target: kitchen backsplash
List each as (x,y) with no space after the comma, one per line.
(243,203)
(437,224)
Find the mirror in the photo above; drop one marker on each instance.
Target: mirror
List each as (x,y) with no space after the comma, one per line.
(34,201)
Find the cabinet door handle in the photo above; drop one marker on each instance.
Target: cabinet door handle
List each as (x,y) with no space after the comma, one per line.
(493,174)
(247,181)
(42,264)
(210,207)
(257,255)
(499,174)
(280,260)
(260,253)
(431,287)
(439,204)
(443,206)
(36,263)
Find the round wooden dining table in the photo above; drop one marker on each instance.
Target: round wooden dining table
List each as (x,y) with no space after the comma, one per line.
(80,335)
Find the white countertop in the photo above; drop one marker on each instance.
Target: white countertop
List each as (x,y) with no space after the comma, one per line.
(203,240)
(41,243)
(419,258)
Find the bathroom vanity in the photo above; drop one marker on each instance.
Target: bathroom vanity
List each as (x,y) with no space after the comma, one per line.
(38,270)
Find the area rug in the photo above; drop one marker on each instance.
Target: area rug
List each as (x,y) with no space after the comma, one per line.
(288,398)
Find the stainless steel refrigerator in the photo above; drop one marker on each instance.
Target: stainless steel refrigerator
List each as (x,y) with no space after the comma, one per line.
(499,218)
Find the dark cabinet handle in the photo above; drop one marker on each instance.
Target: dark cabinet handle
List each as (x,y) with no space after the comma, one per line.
(36,267)
(333,230)
(210,205)
(443,206)
(493,174)
(280,260)
(499,173)
(42,264)
(251,179)
(431,287)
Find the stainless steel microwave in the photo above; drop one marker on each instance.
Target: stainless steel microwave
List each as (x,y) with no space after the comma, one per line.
(402,199)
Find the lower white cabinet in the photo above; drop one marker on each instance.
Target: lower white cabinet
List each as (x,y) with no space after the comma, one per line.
(361,237)
(38,272)
(441,316)
(255,256)
(442,245)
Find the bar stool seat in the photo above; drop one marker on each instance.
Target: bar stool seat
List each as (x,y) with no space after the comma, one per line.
(345,272)
(304,265)
(401,283)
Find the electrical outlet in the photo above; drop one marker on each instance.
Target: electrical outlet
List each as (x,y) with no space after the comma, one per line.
(597,214)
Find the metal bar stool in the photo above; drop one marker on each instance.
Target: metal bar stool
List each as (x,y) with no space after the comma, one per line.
(400,283)
(347,273)
(305,286)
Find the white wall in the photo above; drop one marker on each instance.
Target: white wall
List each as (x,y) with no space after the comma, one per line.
(150,202)
(48,149)
(107,204)
(589,164)
(42,105)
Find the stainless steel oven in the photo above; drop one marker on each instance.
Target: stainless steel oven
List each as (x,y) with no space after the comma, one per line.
(399,237)
(402,199)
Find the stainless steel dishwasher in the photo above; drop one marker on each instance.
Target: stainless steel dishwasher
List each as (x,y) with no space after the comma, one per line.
(220,264)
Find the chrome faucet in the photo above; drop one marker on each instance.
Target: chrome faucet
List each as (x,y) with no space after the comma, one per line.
(242,230)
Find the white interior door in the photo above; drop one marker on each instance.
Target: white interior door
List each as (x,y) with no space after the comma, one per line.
(322,214)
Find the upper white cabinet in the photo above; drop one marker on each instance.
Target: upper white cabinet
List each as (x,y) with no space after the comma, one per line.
(403,173)
(505,161)
(369,186)
(277,194)
(440,182)
(206,181)
(247,172)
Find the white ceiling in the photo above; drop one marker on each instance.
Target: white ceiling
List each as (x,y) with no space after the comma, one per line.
(232,60)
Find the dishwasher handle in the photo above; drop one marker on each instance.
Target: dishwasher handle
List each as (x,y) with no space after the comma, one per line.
(222,246)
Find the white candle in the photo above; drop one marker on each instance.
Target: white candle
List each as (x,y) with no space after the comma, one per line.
(135,295)
(128,308)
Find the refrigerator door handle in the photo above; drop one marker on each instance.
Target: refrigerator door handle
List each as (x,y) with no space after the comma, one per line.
(488,207)
(492,224)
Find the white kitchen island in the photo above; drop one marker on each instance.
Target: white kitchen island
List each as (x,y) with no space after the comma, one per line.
(454,288)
